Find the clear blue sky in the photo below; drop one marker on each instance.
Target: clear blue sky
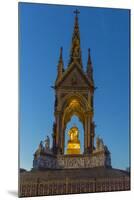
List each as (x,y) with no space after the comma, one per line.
(42,30)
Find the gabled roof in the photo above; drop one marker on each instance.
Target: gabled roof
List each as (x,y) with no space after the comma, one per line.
(69,70)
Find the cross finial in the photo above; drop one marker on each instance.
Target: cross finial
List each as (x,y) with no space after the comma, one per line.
(76,12)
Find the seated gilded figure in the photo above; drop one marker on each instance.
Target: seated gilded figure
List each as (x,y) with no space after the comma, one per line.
(73,145)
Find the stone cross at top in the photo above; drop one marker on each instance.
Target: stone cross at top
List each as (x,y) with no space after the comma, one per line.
(76,12)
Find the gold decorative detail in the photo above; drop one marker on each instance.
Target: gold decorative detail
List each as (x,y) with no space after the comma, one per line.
(74,103)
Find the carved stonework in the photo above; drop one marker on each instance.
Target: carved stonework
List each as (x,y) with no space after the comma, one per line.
(101,159)
(62,95)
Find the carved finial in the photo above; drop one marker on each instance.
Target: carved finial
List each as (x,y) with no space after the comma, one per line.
(89,66)
(89,58)
(60,67)
(61,49)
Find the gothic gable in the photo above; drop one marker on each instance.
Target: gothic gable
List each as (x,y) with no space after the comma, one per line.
(73,77)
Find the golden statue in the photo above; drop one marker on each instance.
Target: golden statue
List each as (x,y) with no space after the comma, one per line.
(73,146)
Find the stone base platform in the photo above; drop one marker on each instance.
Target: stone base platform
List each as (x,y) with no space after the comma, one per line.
(50,161)
(72,181)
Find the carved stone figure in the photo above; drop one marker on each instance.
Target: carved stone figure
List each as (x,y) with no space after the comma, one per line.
(47,143)
(41,145)
(99,144)
(76,48)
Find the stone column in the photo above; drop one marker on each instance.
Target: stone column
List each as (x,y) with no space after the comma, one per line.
(86,134)
(62,132)
(92,135)
(58,122)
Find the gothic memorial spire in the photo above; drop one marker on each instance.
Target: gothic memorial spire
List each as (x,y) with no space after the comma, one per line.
(75,53)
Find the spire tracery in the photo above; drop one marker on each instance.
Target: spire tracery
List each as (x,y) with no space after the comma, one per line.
(75,53)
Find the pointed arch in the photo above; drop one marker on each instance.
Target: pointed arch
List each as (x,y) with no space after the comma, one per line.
(74,96)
